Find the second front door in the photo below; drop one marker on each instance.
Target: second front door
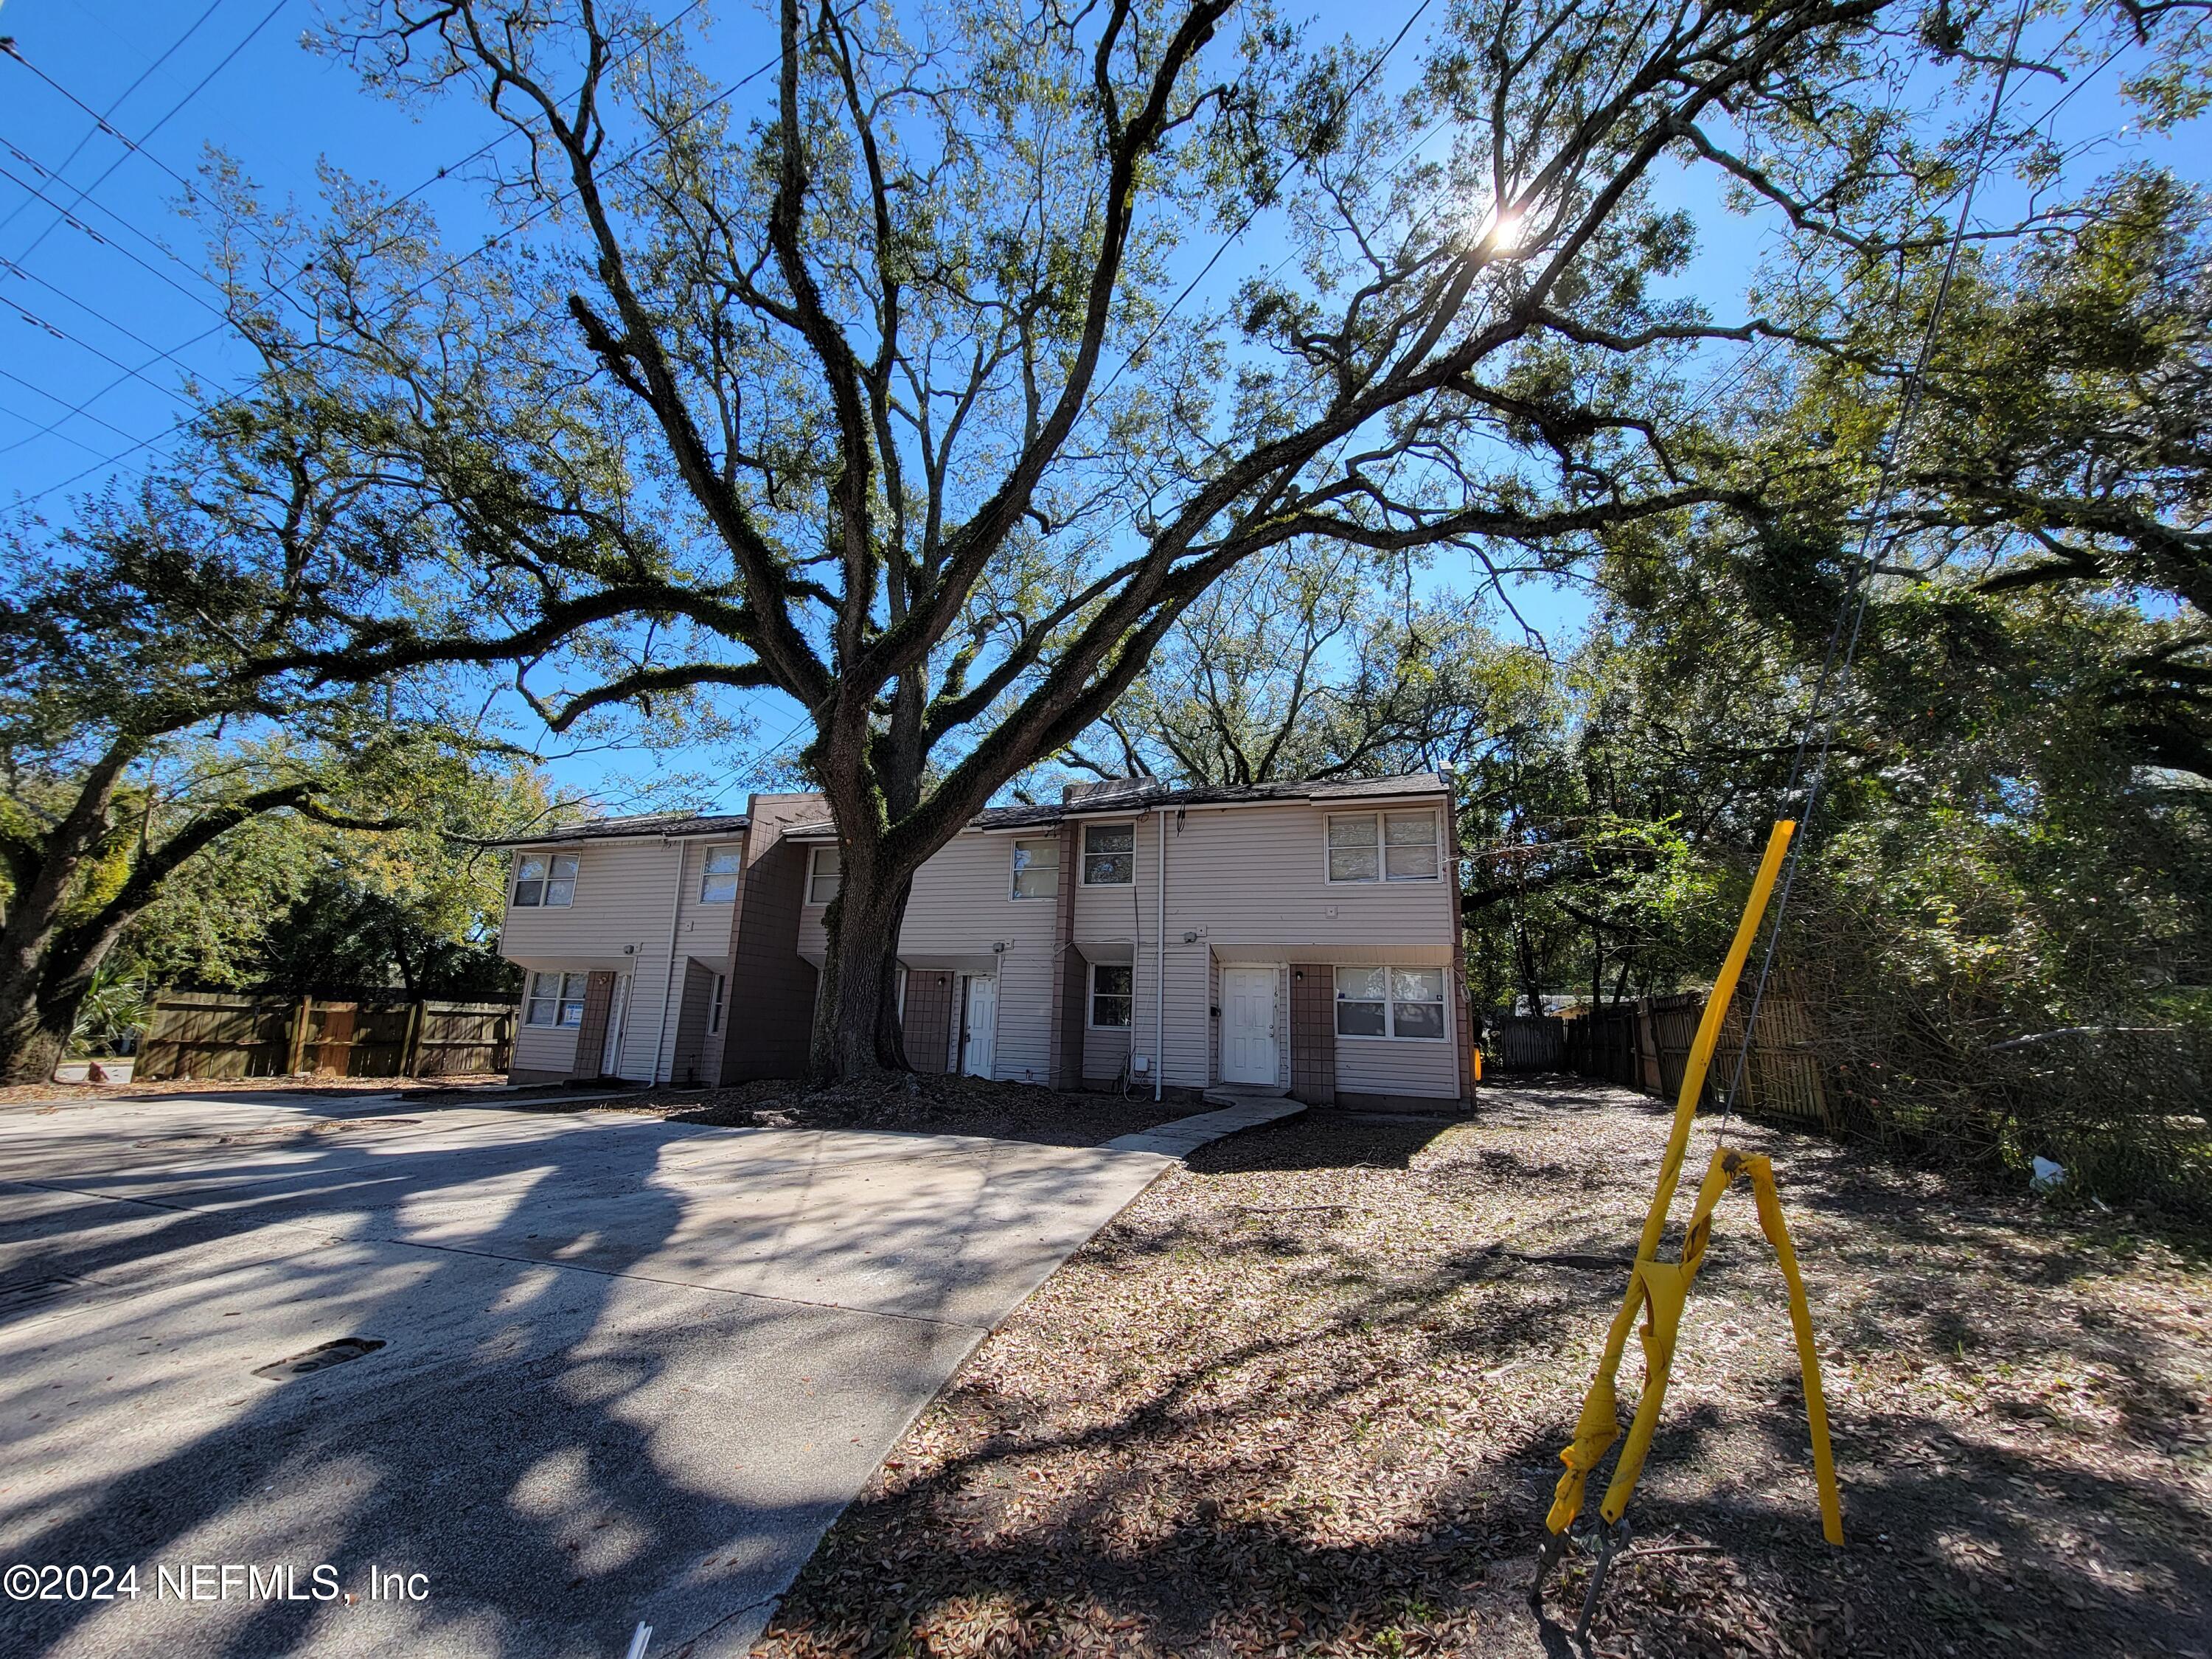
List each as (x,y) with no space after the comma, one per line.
(1248,1026)
(982,1027)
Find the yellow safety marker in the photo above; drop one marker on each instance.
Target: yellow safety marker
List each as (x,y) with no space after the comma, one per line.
(1659,1289)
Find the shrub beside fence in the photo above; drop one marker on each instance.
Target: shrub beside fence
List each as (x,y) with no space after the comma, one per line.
(2126,1110)
(214,1035)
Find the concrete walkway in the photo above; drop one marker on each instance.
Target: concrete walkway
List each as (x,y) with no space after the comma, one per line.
(607,1369)
(1186,1135)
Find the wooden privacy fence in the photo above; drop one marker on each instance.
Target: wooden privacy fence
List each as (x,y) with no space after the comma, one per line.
(1525,1043)
(227,1033)
(1646,1045)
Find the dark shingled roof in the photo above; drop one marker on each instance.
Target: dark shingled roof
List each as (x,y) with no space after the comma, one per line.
(1143,794)
(671,825)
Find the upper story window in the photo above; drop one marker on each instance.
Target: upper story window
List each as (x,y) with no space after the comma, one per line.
(1390,1002)
(540,880)
(1383,845)
(825,871)
(718,885)
(1109,854)
(555,999)
(1036,868)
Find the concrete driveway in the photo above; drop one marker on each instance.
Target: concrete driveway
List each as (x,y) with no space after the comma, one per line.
(628,1371)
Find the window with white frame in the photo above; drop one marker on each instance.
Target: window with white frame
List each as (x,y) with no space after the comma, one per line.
(1382,847)
(540,880)
(1109,854)
(1390,1002)
(825,870)
(718,883)
(555,999)
(1037,867)
(1113,995)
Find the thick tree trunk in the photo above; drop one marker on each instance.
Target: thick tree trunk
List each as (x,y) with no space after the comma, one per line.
(34,1039)
(53,1013)
(856,1025)
(38,1009)
(35,994)
(872,781)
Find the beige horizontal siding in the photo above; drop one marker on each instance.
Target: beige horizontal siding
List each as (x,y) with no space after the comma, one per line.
(1249,882)
(543,1047)
(702,930)
(1252,876)
(963,905)
(1397,1065)
(1103,1051)
(625,894)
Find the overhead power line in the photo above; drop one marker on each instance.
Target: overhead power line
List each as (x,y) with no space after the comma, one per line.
(101,121)
(137,146)
(69,216)
(285,286)
(28,420)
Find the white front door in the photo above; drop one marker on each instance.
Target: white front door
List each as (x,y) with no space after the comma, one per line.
(982,1025)
(618,1021)
(1248,1026)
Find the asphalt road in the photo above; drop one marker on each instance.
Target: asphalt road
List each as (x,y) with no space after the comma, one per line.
(629,1371)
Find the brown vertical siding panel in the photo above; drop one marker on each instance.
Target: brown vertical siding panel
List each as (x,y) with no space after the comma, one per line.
(1070,976)
(770,1018)
(929,993)
(1313,1033)
(687,1061)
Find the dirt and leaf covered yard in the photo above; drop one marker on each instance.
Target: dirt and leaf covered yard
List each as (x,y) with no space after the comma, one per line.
(1306,1396)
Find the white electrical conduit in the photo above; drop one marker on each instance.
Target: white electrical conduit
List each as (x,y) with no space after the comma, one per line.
(1160,964)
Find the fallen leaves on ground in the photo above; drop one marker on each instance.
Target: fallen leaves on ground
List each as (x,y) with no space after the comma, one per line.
(1306,1396)
(916,1103)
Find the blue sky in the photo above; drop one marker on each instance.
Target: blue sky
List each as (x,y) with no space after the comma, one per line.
(102,314)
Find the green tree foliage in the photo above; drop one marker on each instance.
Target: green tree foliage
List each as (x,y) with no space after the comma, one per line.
(415,909)
(152,712)
(2003,923)
(1995,862)
(1314,663)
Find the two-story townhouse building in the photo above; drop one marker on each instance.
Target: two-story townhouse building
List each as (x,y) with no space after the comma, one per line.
(1295,937)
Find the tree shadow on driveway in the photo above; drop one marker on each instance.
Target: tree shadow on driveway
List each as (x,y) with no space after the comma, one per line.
(612,1385)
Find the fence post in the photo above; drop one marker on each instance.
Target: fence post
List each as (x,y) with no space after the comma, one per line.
(410,1052)
(299,1054)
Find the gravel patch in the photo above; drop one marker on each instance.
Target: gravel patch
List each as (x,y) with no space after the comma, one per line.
(1307,1395)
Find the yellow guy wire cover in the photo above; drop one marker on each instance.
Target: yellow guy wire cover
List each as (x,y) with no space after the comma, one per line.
(1599,1426)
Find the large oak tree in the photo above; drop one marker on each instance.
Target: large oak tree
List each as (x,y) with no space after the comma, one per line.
(908,400)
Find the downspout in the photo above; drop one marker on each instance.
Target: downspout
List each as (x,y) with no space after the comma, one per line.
(1160,965)
(668,980)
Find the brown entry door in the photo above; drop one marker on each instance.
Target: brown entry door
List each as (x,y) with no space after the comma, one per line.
(591,1035)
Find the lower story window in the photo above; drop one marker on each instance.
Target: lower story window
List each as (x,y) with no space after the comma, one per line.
(1390,1002)
(1113,994)
(555,999)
